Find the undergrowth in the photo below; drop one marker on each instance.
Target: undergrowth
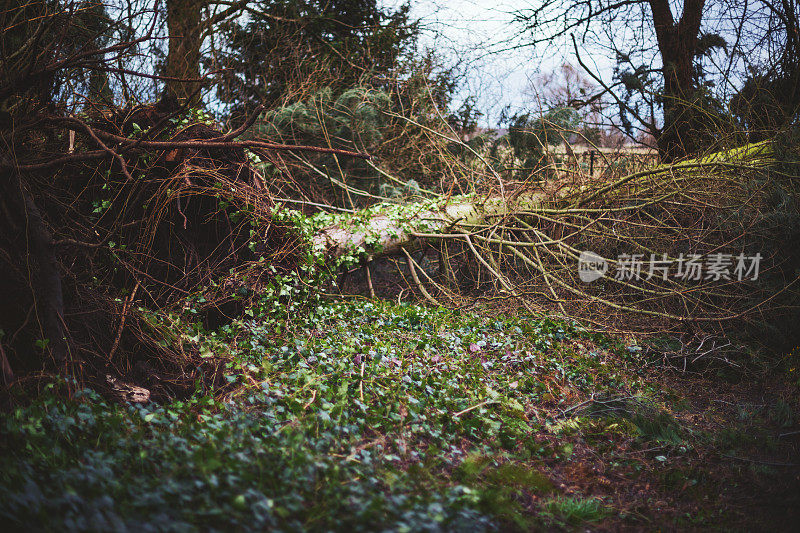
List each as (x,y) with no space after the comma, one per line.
(348,415)
(357,415)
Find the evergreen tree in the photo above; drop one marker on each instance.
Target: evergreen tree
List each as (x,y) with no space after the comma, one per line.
(290,49)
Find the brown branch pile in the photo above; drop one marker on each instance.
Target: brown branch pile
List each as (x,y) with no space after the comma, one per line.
(106,210)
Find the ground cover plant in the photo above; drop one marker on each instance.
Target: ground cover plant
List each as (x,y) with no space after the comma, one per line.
(372,415)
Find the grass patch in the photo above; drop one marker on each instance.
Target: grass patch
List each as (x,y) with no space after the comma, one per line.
(575,511)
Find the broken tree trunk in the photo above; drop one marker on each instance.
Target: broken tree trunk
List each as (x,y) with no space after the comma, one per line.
(389,228)
(531,242)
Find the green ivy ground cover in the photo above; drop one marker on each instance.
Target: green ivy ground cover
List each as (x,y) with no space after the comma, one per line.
(358,416)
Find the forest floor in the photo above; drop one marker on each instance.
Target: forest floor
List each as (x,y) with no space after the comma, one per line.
(368,415)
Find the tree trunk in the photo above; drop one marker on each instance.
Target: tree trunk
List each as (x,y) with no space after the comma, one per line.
(183,57)
(388,228)
(44,279)
(677,44)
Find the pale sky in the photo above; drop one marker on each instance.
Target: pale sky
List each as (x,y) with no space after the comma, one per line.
(483,36)
(475,32)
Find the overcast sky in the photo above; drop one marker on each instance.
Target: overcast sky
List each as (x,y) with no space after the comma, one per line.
(483,36)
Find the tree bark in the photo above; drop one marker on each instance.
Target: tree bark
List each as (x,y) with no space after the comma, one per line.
(677,45)
(183,56)
(42,267)
(390,228)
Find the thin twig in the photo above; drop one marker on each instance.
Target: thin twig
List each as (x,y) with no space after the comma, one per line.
(758,462)
(8,374)
(422,289)
(468,409)
(125,308)
(369,280)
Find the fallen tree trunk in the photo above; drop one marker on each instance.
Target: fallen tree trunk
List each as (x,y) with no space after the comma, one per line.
(529,243)
(388,228)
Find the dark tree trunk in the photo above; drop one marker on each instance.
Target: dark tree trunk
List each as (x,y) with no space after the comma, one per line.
(40,268)
(677,44)
(183,57)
